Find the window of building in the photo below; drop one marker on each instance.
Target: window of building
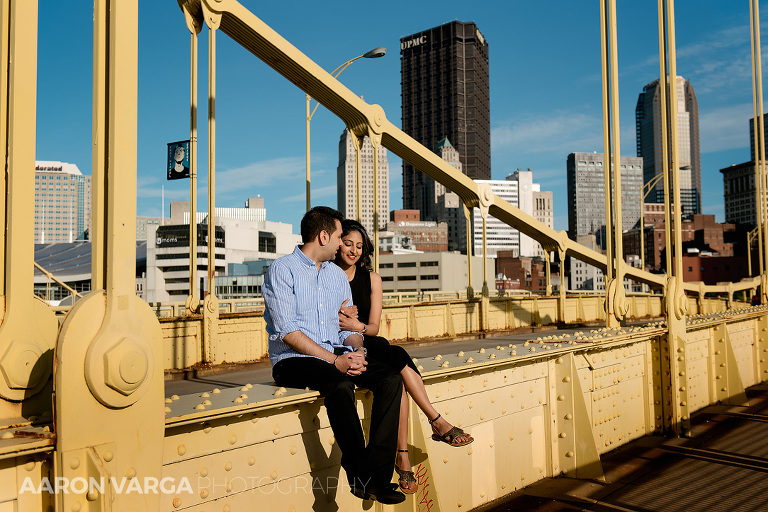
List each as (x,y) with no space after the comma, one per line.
(406,278)
(385,265)
(387,278)
(406,264)
(428,263)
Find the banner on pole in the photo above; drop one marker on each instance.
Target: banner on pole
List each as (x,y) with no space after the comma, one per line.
(178,160)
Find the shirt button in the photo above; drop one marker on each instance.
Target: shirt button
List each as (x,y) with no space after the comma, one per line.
(321,322)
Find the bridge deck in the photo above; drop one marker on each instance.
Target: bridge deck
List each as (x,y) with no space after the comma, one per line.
(722,467)
(205,379)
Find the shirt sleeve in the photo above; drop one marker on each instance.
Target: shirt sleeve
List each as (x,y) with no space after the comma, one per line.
(346,294)
(280,299)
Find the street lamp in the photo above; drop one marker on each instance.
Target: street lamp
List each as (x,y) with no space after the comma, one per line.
(647,188)
(373,54)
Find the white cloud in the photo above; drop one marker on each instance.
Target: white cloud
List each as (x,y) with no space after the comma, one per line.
(328,191)
(725,127)
(560,131)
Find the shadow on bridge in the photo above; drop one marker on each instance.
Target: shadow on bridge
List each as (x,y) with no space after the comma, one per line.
(721,467)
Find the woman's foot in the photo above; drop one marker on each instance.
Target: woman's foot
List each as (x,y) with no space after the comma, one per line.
(406,480)
(447,433)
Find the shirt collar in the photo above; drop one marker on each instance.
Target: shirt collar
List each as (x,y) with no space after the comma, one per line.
(306,260)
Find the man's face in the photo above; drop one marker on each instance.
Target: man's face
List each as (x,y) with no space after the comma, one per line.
(334,242)
(179,154)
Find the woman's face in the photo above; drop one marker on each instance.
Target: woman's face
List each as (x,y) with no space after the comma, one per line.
(351,248)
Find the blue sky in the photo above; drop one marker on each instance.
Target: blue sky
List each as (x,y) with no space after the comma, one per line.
(544,80)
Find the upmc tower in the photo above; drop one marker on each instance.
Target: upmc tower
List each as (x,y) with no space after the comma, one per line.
(445,94)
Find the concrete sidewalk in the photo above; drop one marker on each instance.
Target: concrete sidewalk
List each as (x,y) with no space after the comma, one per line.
(723,467)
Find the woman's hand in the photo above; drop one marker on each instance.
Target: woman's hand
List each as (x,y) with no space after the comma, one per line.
(348,311)
(348,318)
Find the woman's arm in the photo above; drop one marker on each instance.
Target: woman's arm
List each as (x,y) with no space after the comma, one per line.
(377,300)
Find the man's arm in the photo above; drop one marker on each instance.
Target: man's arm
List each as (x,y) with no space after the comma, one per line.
(351,363)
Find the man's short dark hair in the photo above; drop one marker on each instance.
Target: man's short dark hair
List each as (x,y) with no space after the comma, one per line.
(319,218)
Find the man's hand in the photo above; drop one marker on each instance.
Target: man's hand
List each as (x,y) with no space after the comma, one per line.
(351,363)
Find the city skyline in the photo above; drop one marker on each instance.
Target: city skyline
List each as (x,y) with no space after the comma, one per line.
(545,99)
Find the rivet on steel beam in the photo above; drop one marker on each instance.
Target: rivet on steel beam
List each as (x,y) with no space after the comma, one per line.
(74,463)
(251,460)
(181,450)
(481,351)
(199,407)
(108,456)
(203,471)
(176,502)
(461,388)
(226,508)
(566,379)
(204,493)
(228,466)
(569,416)
(683,403)
(168,401)
(569,454)
(561,397)
(130,473)
(276,429)
(232,439)
(445,460)
(561,435)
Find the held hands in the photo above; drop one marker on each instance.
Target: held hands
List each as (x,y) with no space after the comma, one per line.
(348,317)
(351,363)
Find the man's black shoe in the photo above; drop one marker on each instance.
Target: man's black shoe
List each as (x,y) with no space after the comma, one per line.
(388,495)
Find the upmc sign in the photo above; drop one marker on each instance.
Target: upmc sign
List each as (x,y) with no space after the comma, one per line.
(416,41)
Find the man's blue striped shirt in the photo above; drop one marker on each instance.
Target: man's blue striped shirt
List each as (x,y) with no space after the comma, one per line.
(299,297)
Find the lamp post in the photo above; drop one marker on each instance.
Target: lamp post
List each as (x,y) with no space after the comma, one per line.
(373,54)
(647,188)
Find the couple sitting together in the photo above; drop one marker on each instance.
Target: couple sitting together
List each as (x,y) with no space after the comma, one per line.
(323,308)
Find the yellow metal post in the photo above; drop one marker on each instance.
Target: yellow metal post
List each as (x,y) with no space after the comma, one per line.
(211,303)
(357,142)
(27,327)
(193,301)
(759,130)
(759,192)
(616,305)
(308,181)
(470,245)
(109,364)
(376,144)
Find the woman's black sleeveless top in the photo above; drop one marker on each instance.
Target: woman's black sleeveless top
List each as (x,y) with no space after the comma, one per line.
(361,293)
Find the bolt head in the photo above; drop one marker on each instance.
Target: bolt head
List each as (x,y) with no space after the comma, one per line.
(126,366)
(21,366)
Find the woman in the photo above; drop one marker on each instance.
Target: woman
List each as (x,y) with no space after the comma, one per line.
(354,257)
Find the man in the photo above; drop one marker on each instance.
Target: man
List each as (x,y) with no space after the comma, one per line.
(303,292)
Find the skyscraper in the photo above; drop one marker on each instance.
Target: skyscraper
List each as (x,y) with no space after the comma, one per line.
(346,181)
(445,94)
(518,190)
(586,194)
(648,128)
(62,203)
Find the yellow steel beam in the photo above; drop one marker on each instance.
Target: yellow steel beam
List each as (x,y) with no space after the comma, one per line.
(27,327)
(109,354)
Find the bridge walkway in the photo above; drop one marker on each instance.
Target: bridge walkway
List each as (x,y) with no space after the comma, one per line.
(200,380)
(721,468)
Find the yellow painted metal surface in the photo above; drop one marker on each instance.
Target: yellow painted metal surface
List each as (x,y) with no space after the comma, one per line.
(554,403)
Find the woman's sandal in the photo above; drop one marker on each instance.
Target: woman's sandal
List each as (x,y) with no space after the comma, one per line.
(407,479)
(449,437)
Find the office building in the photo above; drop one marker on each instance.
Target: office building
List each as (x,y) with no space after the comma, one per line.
(253,211)
(518,190)
(739,193)
(447,205)
(62,203)
(431,271)
(649,146)
(586,193)
(445,94)
(143,222)
(407,231)
(346,181)
(542,212)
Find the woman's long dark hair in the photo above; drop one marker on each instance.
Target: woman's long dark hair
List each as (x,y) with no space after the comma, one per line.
(349,225)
